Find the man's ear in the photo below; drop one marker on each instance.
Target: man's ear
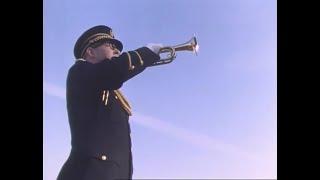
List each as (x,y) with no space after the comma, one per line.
(90,51)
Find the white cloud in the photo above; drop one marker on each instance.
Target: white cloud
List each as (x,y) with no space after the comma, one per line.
(193,138)
(54,90)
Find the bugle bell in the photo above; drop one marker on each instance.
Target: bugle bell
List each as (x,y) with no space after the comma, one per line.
(191,45)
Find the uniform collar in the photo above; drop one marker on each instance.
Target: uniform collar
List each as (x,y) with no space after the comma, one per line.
(80,59)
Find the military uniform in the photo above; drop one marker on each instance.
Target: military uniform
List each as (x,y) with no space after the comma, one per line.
(99,113)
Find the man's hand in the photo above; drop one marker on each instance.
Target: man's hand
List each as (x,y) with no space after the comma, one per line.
(154,47)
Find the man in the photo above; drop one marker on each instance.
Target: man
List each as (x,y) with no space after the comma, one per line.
(98,112)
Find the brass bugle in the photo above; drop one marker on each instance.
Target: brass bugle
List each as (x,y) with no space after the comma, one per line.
(191,45)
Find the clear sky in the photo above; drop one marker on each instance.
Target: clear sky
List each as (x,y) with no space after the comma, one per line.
(208,116)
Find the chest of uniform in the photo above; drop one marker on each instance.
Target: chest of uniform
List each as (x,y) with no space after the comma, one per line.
(110,106)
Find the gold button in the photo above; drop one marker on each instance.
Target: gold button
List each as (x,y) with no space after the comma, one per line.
(116,97)
(104,157)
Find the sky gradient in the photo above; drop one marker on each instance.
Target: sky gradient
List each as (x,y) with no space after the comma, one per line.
(213,115)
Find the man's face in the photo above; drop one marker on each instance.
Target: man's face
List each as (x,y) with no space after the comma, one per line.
(106,50)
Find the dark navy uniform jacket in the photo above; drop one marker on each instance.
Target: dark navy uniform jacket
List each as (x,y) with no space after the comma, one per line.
(100,131)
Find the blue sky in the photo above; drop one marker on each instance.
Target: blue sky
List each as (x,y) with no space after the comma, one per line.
(207,116)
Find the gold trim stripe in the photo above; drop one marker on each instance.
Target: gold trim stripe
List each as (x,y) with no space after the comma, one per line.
(131,67)
(103,96)
(106,102)
(123,101)
(140,59)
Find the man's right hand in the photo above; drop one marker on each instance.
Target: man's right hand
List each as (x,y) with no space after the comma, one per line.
(154,47)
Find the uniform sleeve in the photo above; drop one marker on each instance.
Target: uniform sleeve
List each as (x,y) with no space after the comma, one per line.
(145,58)
(111,74)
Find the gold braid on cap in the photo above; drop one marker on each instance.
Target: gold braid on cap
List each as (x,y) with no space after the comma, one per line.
(96,37)
(123,101)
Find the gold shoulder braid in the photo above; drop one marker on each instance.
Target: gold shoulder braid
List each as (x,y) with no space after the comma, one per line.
(123,101)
